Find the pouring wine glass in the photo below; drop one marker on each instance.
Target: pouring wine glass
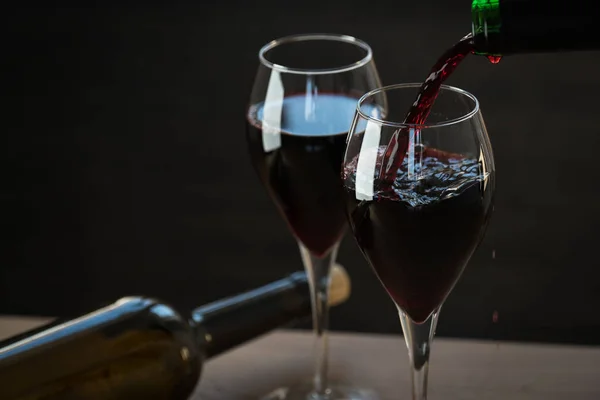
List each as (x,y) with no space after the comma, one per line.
(418,217)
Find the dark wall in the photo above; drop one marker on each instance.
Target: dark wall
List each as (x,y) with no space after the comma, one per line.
(126,171)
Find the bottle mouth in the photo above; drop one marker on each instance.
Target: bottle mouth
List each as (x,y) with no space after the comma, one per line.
(342,53)
(486,22)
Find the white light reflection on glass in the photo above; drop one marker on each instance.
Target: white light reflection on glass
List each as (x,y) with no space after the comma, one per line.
(484,172)
(412,162)
(366,166)
(272,113)
(310,102)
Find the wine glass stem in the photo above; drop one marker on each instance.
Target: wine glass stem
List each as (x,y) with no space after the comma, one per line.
(318,270)
(418,340)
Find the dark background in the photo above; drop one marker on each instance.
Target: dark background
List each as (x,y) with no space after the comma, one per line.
(125,169)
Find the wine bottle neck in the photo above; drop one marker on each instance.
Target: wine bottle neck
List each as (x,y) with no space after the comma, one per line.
(502,27)
(486,21)
(226,323)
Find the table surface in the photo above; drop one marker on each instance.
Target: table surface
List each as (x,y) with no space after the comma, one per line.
(460,369)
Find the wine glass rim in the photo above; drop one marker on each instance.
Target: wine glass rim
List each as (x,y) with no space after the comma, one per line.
(334,37)
(397,124)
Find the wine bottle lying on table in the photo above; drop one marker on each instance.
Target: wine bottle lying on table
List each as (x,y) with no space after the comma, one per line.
(141,348)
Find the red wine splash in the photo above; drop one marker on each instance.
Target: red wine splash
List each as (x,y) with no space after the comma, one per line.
(416,236)
(419,111)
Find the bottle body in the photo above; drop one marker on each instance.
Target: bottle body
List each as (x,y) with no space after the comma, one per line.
(128,350)
(504,27)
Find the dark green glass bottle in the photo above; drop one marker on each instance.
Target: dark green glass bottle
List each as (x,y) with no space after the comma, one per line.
(142,348)
(503,27)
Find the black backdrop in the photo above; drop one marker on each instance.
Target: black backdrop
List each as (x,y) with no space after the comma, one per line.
(125,168)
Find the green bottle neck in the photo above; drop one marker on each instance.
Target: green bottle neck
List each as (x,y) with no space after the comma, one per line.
(486,22)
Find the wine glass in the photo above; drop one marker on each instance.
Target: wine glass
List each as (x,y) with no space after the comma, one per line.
(419,226)
(301,107)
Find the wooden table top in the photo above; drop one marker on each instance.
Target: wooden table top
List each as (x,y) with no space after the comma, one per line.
(460,369)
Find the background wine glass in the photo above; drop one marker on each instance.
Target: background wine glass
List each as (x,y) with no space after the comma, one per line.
(301,107)
(419,229)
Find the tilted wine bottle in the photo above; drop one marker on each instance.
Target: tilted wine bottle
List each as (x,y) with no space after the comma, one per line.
(503,27)
(141,348)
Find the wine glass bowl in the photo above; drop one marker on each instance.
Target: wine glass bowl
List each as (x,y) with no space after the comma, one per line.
(301,107)
(418,216)
(302,103)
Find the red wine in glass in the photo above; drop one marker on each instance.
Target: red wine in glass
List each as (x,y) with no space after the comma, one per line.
(300,163)
(419,235)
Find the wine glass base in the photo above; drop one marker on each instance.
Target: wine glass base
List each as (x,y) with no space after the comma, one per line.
(305,392)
